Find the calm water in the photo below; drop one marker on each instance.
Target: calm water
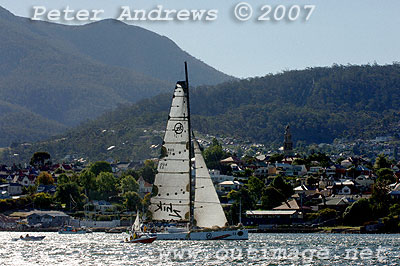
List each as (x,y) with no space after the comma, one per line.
(260,249)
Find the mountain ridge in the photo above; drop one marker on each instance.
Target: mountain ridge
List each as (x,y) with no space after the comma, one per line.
(69,74)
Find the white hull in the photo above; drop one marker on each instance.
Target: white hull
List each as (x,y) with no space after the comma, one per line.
(209,235)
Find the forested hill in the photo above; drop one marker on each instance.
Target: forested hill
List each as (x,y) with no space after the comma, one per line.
(55,76)
(320,104)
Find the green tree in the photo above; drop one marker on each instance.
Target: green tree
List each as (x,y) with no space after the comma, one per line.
(129,183)
(357,213)
(42,200)
(277,157)
(87,179)
(131,172)
(214,154)
(382,162)
(39,159)
(394,210)
(255,187)
(385,174)
(44,178)
(69,194)
(106,183)
(242,197)
(101,166)
(271,198)
(132,201)
(149,171)
(327,214)
(63,178)
(283,187)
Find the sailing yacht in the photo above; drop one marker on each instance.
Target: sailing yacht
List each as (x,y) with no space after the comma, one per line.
(136,234)
(179,196)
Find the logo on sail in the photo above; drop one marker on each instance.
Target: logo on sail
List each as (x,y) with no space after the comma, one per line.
(168,208)
(178,128)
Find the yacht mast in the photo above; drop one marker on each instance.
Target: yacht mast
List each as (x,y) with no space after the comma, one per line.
(191,182)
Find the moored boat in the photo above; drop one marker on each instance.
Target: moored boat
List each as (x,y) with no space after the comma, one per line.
(72,230)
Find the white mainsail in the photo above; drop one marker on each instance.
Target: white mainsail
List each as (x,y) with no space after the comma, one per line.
(172,182)
(208,211)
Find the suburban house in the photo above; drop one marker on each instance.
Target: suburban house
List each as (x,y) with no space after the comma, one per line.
(287,213)
(51,189)
(102,205)
(144,187)
(7,222)
(47,218)
(334,202)
(11,189)
(227,186)
(344,188)
(217,177)
(364,182)
(25,180)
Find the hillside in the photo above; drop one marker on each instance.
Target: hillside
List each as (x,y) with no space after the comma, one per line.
(320,104)
(64,75)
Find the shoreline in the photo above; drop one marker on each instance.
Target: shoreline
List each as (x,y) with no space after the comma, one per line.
(287,230)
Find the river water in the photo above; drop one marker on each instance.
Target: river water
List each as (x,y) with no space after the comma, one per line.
(260,249)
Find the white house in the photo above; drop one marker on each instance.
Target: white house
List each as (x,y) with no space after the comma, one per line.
(102,205)
(217,177)
(144,187)
(227,186)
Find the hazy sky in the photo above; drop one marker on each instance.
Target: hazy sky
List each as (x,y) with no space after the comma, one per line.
(339,31)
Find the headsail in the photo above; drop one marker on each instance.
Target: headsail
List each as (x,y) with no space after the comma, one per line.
(208,211)
(172,182)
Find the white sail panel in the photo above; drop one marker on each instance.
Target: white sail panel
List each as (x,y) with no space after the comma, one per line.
(208,211)
(136,224)
(172,199)
(177,131)
(178,152)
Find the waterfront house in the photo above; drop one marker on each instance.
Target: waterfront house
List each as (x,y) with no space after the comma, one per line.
(47,218)
(334,202)
(7,222)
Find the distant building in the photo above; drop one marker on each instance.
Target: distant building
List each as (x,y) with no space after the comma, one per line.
(227,186)
(288,143)
(47,218)
(7,222)
(144,187)
(102,206)
(217,177)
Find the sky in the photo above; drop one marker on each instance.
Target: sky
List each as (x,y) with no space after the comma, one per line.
(337,32)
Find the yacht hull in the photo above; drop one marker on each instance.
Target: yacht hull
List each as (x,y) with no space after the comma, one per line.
(206,235)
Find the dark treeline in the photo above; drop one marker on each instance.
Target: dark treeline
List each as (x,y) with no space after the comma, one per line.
(320,104)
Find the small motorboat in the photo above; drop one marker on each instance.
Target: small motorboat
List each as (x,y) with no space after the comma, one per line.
(29,238)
